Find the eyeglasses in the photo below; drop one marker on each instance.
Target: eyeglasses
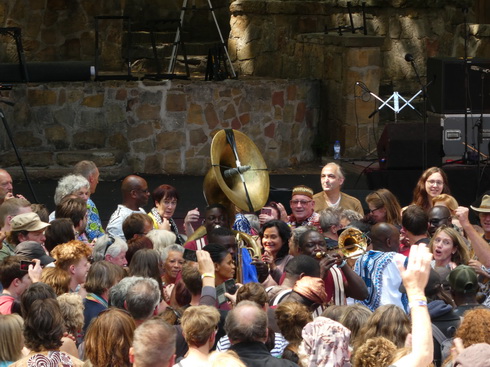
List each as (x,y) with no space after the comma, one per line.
(435,182)
(109,243)
(302,202)
(373,210)
(168,202)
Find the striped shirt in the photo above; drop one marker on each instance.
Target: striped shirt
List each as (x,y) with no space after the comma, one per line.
(279,345)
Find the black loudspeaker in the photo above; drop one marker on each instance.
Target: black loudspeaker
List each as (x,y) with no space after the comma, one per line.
(453,137)
(400,145)
(446,93)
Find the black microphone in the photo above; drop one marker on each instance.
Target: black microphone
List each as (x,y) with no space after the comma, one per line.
(409,57)
(363,87)
(235,171)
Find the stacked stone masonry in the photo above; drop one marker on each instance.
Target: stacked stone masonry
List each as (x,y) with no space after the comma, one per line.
(159,127)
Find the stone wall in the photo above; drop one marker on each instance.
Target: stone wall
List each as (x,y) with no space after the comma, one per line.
(286,38)
(60,30)
(158,127)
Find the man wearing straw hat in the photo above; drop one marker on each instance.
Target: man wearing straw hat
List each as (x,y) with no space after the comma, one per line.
(484,215)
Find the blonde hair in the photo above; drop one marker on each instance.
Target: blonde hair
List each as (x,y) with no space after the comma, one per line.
(354,318)
(70,253)
(58,279)
(225,359)
(447,200)
(291,318)
(11,339)
(71,305)
(375,352)
(198,323)
(389,321)
(462,254)
(384,198)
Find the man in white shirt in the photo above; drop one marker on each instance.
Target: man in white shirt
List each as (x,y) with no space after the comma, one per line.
(379,271)
(135,195)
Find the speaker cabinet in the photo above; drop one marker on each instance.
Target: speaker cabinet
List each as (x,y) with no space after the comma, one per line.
(446,93)
(453,136)
(401,145)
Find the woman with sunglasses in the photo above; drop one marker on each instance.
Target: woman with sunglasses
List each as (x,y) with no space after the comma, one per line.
(384,207)
(165,198)
(112,249)
(433,182)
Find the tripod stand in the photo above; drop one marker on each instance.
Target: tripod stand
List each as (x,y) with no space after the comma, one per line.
(11,138)
(173,58)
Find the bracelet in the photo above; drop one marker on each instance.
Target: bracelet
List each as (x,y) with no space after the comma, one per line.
(207,275)
(342,264)
(418,303)
(417,298)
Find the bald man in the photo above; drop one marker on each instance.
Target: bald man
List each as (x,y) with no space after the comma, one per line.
(438,216)
(135,195)
(332,178)
(6,187)
(379,270)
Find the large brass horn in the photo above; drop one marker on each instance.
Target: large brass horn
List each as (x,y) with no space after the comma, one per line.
(352,243)
(238,174)
(222,186)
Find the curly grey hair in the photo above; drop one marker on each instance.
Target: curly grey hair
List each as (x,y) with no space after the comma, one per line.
(161,238)
(164,252)
(68,185)
(110,245)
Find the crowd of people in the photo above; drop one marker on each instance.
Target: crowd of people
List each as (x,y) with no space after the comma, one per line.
(324,285)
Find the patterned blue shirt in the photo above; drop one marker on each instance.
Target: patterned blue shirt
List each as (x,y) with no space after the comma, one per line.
(94,226)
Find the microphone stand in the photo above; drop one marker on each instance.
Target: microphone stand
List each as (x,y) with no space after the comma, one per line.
(423,88)
(479,124)
(466,83)
(19,159)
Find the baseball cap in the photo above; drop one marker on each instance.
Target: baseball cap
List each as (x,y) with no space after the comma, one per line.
(29,222)
(463,279)
(33,250)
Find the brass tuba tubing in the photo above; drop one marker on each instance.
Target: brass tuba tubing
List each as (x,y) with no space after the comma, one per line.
(352,243)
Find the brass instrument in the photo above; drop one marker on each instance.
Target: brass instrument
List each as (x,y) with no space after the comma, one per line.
(252,246)
(238,174)
(238,177)
(352,243)
(320,254)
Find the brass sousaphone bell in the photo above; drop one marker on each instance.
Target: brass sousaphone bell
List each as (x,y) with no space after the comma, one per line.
(238,174)
(238,177)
